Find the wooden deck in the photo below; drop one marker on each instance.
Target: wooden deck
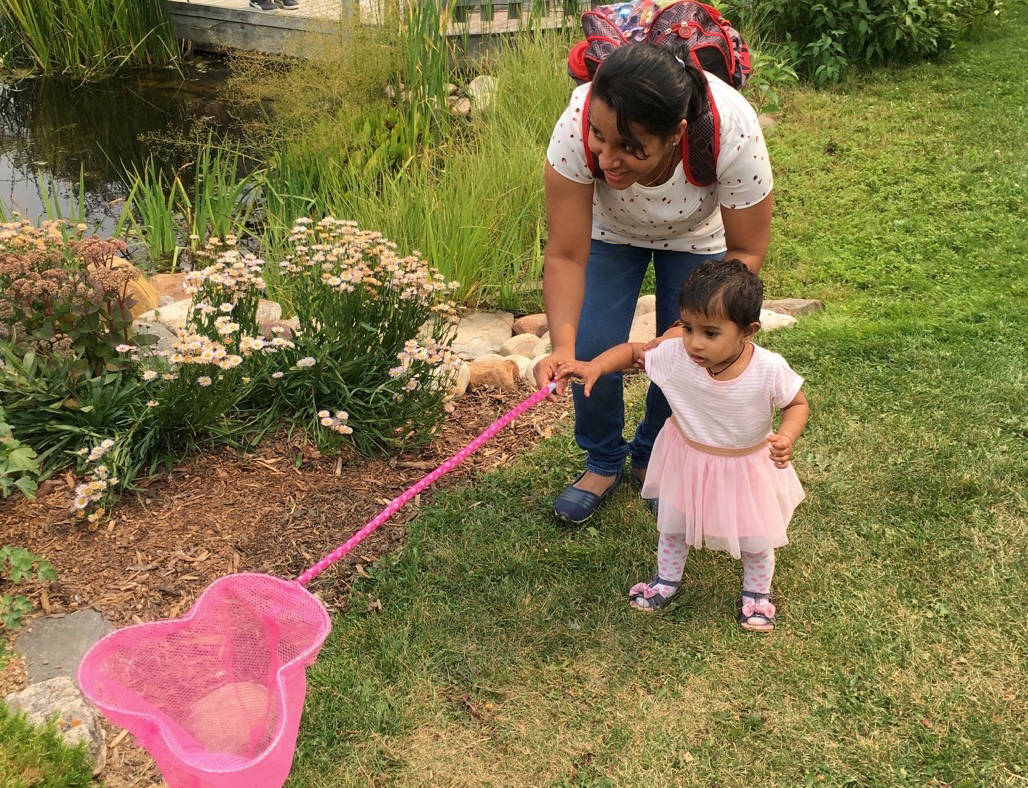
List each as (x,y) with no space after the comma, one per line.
(320,24)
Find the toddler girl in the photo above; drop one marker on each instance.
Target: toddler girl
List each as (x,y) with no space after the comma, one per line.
(721,479)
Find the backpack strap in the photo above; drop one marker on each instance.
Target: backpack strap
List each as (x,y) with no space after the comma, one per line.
(590,159)
(701,143)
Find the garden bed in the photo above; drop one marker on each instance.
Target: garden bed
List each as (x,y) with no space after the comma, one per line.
(223,512)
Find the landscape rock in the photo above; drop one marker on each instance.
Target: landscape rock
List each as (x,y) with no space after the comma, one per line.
(290,327)
(646,304)
(165,336)
(479,333)
(59,699)
(459,106)
(482,90)
(531,324)
(172,316)
(772,321)
(547,347)
(644,327)
(459,385)
(797,307)
(524,364)
(170,285)
(268,311)
(528,345)
(494,370)
(54,645)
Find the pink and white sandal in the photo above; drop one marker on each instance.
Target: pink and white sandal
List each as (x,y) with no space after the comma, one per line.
(756,613)
(654,600)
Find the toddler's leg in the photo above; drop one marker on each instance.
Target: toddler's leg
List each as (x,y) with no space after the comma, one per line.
(757,613)
(757,571)
(672,550)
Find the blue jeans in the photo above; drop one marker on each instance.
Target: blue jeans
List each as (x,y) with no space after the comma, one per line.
(613,278)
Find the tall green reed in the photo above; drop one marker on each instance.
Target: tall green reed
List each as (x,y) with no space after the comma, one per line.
(150,211)
(223,197)
(86,36)
(209,197)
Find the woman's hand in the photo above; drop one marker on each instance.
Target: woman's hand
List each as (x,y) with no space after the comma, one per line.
(546,371)
(585,372)
(674,332)
(781,449)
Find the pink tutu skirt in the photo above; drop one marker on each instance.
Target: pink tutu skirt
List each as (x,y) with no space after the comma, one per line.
(740,503)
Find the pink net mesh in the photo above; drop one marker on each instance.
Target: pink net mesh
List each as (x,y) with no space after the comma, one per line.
(215,695)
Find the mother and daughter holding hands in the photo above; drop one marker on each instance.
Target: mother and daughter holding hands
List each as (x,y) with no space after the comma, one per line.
(622,189)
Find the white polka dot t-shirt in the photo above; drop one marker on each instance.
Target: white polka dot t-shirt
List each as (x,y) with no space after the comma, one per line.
(674,215)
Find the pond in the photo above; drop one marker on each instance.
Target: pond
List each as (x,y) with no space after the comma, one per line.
(63,141)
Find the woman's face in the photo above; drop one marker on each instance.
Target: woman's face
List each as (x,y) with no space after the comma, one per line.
(624,165)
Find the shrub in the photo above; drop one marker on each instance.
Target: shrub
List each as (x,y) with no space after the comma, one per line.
(829,36)
(374,335)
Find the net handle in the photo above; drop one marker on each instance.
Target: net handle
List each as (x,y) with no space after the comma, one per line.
(448,465)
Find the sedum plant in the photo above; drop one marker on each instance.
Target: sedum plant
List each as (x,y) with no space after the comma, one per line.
(64,296)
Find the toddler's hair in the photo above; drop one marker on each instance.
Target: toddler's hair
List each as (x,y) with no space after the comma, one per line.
(724,287)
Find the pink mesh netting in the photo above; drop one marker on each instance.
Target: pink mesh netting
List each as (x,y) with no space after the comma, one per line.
(216,695)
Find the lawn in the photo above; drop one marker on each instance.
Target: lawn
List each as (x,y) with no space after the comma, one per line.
(505,651)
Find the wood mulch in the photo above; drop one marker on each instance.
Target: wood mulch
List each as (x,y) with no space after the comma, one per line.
(224,512)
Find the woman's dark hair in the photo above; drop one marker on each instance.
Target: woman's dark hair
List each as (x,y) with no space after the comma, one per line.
(648,85)
(724,287)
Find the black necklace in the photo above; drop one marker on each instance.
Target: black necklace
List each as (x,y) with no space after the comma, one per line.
(728,365)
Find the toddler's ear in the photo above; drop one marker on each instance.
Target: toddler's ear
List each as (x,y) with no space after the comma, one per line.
(753,329)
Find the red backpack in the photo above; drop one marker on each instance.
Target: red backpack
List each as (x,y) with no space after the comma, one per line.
(688,29)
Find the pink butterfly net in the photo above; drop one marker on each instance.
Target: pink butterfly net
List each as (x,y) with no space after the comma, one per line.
(216,695)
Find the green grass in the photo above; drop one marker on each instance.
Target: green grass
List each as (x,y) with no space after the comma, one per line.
(36,757)
(506,653)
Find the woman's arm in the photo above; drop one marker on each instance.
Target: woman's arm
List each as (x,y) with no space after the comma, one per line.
(748,232)
(569,211)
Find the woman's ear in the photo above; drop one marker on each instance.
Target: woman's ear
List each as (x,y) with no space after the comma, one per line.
(680,131)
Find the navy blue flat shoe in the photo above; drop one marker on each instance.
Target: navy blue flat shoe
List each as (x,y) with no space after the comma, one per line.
(575,506)
(651,503)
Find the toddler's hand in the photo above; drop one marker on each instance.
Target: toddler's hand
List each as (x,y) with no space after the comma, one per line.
(581,371)
(781,450)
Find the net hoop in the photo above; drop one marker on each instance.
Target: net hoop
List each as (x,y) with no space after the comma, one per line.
(202,760)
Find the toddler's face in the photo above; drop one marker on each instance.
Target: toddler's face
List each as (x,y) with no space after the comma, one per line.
(711,341)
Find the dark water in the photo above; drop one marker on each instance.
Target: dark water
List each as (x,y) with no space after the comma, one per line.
(54,131)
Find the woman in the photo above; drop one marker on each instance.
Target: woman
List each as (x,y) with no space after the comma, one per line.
(604,231)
